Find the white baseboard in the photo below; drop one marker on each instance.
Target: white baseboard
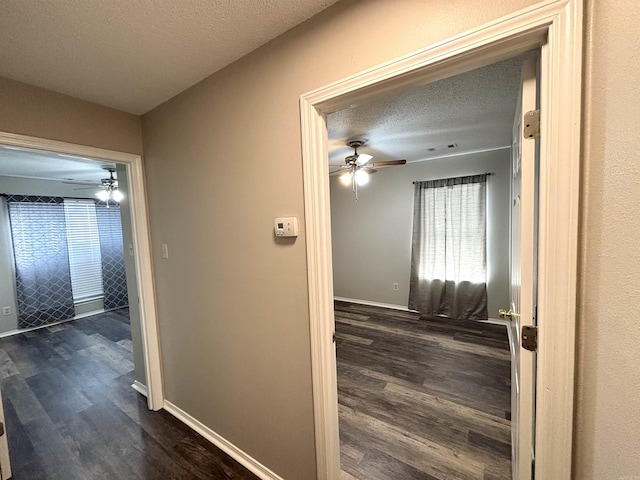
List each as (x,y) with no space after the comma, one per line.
(90,314)
(140,388)
(17,331)
(375,304)
(497,321)
(229,448)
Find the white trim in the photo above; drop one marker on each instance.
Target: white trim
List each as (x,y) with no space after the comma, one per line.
(140,387)
(90,314)
(141,243)
(375,304)
(17,331)
(497,321)
(556,24)
(222,443)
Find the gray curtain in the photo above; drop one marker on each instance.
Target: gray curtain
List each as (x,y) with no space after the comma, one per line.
(43,277)
(448,258)
(114,278)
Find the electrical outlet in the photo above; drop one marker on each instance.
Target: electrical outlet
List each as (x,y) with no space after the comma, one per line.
(6,310)
(165,250)
(396,286)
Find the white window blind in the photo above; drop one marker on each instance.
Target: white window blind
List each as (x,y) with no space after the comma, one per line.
(84,250)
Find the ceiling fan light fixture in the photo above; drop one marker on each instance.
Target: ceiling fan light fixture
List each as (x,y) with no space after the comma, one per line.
(116,195)
(345,179)
(362,177)
(102,195)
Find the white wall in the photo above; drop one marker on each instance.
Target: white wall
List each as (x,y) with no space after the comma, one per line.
(371,238)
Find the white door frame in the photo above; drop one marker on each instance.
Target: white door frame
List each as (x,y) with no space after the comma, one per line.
(141,245)
(555,26)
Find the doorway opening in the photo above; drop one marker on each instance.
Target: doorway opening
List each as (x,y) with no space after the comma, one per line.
(424,373)
(68,176)
(555,28)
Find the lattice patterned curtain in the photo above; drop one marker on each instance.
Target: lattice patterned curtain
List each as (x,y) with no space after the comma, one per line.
(114,278)
(43,277)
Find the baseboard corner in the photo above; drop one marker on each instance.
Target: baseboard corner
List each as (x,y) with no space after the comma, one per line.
(223,444)
(140,388)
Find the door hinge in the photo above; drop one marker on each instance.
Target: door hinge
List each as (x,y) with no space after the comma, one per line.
(530,338)
(531,124)
(333,337)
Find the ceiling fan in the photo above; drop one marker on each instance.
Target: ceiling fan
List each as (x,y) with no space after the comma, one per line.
(356,170)
(108,188)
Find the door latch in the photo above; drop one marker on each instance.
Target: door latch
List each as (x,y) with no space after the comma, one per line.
(509,314)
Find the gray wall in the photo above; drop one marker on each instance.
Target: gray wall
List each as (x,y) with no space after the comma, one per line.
(233,303)
(33,111)
(222,160)
(371,238)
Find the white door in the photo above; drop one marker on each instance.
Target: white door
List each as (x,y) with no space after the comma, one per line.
(5,467)
(523,278)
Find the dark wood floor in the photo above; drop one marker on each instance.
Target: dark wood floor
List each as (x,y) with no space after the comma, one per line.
(71,413)
(422,398)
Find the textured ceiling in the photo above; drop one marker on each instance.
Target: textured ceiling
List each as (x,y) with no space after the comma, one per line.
(134,55)
(473,111)
(53,166)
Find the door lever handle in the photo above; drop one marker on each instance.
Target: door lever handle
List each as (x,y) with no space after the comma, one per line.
(510,314)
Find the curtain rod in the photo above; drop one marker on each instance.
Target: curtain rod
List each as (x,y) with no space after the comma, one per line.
(449,178)
(59,196)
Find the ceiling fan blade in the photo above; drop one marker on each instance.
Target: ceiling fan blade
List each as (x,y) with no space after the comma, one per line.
(368,169)
(87,188)
(71,182)
(363,158)
(341,169)
(390,163)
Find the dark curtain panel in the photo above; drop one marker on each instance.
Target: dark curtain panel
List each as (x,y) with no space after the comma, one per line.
(43,277)
(114,279)
(448,258)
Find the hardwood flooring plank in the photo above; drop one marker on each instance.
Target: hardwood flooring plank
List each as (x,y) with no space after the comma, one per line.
(7,367)
(451,344)
(51,451)
(419,453)
(387,466)
(354,338)
(421,397)
(24,462)
(27,406)
(71,413)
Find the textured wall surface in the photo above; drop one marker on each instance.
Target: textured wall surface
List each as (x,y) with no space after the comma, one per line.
(607,444)
(41,113)
(371,238)
(222,160)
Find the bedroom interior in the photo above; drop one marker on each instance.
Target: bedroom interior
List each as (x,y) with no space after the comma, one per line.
(441,376)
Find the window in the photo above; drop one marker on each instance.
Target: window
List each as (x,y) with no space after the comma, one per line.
(448,257)
(84,249)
